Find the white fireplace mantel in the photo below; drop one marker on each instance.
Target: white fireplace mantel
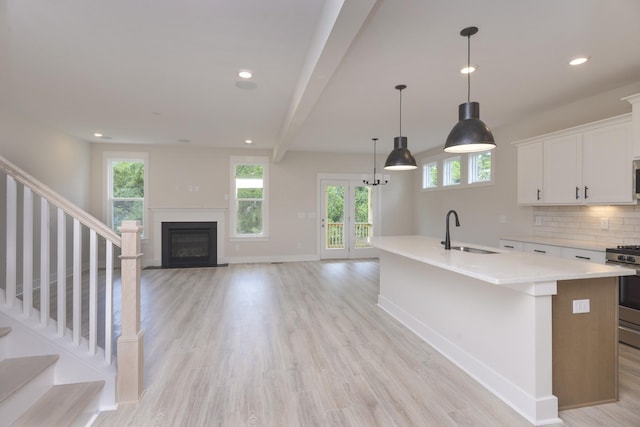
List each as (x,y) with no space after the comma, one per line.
(158,216)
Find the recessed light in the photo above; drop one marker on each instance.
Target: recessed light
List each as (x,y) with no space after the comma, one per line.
(579,60)
(469,69)
(97,135)
(248,141)
(245,74)
(184,141)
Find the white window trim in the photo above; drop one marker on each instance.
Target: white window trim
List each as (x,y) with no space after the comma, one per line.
(110,156)
(477,183)
(243,160)
(464,171)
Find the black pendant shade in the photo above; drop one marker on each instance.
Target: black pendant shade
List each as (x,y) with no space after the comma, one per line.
(470,134)
(400,159)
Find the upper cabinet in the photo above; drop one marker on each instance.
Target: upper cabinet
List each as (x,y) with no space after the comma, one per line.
(589,164)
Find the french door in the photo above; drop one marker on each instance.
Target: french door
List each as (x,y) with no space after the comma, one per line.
(346,219)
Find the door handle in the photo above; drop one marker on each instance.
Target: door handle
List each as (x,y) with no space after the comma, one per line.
(577,193)
(538,196)
(586,192)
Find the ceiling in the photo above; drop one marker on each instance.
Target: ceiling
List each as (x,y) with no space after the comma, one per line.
(324,72)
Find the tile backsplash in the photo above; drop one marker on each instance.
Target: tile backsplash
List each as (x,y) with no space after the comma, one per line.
(616,225)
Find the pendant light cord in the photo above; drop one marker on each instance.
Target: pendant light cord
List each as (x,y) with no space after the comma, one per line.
(469,68)
(400,114)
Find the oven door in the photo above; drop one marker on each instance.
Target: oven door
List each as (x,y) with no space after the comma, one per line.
(629,309)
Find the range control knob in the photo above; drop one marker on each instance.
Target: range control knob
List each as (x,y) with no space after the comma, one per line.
(622,258)
(631,259)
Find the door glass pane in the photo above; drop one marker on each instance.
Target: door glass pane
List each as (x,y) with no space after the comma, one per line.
(335,217)
(363,226)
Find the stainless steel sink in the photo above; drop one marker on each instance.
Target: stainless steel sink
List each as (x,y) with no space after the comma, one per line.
(472,250)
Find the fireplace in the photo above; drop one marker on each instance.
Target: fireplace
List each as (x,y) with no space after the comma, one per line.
(189,244)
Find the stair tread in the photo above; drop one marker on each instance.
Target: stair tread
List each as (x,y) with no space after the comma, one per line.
(4,330)
(60,406)
(16,372)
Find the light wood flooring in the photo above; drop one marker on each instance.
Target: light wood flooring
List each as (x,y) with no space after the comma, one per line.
(304,344)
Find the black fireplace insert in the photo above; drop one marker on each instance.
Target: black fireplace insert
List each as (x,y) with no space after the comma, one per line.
(189,244)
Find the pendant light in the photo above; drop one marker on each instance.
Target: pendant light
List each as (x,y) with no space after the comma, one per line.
(470,134)
(375,181)
(400,159)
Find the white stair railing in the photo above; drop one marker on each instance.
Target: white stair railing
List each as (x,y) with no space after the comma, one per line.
(92,268)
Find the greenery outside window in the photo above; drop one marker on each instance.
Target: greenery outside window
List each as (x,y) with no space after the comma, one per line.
(126,188)
(480,167)
(451,171)
(249,204)
(430,175)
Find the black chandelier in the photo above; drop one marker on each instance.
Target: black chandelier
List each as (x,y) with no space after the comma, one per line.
(375,180)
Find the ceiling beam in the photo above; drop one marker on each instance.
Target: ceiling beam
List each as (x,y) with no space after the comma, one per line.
(340,22)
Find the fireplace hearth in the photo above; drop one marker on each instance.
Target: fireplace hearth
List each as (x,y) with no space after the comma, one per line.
(189,244)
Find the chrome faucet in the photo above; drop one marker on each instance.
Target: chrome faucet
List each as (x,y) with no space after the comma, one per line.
(447,238)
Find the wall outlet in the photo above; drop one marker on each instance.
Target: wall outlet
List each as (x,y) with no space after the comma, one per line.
(502,219)
(581,306)
(604,223)
(538,220)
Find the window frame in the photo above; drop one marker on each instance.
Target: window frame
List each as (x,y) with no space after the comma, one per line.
(446,171)
(427,167)
(124,156)
(233,206)
(471,161)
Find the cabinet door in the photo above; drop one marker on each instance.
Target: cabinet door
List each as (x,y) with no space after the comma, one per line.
(562,170)
(511,245)
(537,248)
(606,165)
(530,174)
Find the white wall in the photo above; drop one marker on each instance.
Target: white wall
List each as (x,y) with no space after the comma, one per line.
(292,198)
(58,160)
(481,208)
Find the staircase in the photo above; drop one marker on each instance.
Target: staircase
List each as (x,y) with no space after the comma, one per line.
(28,396)
(57,322)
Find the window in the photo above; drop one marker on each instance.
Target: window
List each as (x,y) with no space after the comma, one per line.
(480,167)
(451,171)
(430,175)
(126,188)
(249,203)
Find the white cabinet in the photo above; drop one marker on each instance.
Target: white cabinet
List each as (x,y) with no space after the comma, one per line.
(530,173)
(537,248)
(587,255)
(590,164)
(562,167)
(607,172)
(584,255)
(512,245)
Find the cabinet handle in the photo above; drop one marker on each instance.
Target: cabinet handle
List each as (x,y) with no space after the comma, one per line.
(540,251)
(586,192)
(582,257)
(538,194)
(508,246)
(577,193)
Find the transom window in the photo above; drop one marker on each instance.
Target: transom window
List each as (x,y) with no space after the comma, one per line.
(451,171)
(444,171)
(430,175)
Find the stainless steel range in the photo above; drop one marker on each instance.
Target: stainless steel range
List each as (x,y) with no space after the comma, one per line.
(629,326)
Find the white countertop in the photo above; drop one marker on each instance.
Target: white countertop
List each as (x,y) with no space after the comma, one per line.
(501,268)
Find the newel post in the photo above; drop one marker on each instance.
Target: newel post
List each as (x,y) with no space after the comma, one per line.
(130,375)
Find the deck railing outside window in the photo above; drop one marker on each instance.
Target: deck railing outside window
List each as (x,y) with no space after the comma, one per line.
(335,235)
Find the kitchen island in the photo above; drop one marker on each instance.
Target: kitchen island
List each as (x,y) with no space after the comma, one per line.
(507,319)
